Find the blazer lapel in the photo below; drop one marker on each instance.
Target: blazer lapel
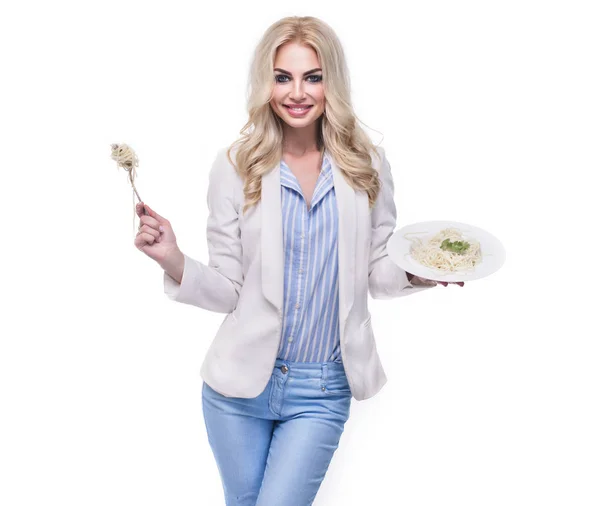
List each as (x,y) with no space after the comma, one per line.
(345,197)
(271,232)
(272,260)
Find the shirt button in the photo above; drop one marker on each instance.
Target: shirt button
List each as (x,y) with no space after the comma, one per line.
(300,271)
(290,339)
(302,236)
(297,306)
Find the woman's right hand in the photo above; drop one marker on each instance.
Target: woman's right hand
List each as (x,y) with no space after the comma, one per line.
(155,236)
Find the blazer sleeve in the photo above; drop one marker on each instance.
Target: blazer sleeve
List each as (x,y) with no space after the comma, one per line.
(216,286)
(386,279)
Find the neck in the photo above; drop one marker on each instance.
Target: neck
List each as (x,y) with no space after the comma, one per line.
(300,141)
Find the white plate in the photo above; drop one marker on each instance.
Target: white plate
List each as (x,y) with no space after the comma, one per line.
(399,248)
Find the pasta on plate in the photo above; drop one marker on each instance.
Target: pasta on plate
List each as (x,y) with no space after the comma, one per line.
(446,251)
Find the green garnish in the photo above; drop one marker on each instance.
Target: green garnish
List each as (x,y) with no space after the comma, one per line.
(455,247)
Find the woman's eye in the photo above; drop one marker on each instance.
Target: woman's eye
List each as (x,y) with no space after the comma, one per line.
(317,79)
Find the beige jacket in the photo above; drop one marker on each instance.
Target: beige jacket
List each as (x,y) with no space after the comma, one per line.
(244,278)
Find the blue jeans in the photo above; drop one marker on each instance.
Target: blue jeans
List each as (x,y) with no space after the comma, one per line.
(274,449)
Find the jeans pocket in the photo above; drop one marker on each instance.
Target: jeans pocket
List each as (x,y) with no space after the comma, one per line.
(337,391)
(337,385)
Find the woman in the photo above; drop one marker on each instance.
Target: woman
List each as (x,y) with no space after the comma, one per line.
(296,343)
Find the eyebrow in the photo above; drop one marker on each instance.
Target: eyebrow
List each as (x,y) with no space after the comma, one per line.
(305,73)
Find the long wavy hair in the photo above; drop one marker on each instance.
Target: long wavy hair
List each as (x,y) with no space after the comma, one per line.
(260,146)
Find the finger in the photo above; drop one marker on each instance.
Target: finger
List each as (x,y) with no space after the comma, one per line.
(154,214)
(149,230)
(148,239)
(419,281)
(139,209)
(151,222)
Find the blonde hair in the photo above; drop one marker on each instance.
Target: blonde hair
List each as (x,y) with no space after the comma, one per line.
(261,146)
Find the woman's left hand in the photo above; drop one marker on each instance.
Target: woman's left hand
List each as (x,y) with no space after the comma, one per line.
(417,280)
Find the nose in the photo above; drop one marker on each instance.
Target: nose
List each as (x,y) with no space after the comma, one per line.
(297,91)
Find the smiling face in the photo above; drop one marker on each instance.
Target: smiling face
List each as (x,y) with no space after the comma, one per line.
(298,82)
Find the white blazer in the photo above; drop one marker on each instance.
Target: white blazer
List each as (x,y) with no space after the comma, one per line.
(244,278)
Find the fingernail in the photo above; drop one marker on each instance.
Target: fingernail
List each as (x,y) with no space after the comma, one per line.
(161,228)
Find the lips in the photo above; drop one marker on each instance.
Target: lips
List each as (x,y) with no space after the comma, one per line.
(297,106)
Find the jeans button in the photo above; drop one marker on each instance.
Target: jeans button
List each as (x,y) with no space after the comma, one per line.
(284,369)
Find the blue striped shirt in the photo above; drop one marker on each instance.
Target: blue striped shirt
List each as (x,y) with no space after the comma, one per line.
(310,331)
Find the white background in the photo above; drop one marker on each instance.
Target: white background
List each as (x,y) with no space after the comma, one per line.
(490,116)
